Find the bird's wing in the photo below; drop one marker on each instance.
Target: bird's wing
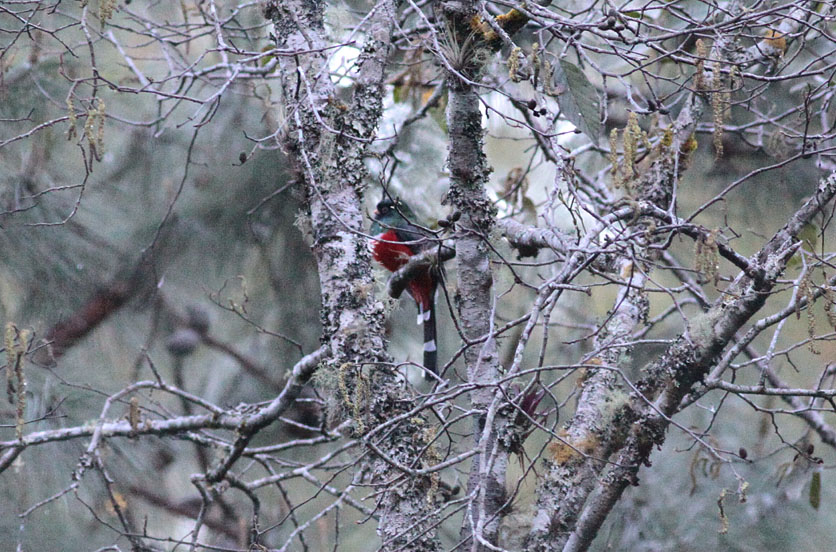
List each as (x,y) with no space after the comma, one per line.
(415,235)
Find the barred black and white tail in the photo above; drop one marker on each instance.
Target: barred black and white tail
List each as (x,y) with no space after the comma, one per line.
(430,347)
(427,318)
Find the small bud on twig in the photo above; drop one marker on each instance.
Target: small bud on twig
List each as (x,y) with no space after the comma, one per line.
(182,342)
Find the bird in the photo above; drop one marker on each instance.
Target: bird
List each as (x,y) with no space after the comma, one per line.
(396,239)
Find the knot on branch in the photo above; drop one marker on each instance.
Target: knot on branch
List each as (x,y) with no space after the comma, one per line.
(528,240)
(270,10)
(522,415)
(416,265)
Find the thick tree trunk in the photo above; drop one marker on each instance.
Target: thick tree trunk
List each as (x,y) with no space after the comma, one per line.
(469,169)
(328,141)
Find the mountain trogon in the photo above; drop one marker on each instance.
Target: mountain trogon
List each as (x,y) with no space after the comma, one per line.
(395,240)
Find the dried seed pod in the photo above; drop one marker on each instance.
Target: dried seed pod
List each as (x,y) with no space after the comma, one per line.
(182,342)
(198,319)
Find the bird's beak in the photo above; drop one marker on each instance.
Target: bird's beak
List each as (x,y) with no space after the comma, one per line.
(376,214)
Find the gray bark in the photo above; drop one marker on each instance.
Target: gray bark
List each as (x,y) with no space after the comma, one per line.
(599,427)
(687,362)
(474,299)
(328,141)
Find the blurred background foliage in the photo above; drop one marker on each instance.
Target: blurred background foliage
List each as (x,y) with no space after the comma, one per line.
(232,252)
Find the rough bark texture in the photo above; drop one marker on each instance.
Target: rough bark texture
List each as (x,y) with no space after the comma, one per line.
(474,300)
(469,170)
(327,140)
(599,426)
(575,523)
(751,74)
(686,363)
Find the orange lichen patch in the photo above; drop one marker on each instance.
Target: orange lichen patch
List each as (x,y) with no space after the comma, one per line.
(689,146)
(510,22)
(588,444)
(477,24)
(776,40)
(565,449)
(118,501)
(513,18)
(584,373)
(561,451)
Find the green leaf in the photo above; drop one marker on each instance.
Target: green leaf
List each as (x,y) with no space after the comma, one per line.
(399,94)
(529,209)
(578,99)
(809,235)
(266,59)
(815,490)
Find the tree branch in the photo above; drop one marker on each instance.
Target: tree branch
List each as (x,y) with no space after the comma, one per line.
(329,142)
(415,266)
(687,361)
(217,419)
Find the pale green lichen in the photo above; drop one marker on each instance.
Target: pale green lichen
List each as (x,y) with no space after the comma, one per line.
(701,328)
